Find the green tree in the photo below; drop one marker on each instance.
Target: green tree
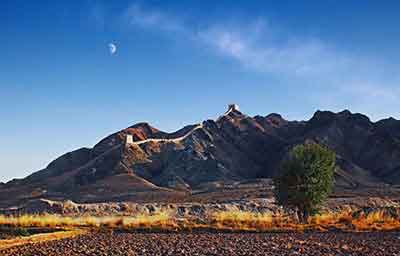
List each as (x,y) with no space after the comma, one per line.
(306,178)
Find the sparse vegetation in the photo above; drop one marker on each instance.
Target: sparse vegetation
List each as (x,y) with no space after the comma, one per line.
(242,220)
(28,239)
(306,179)
(162,220)
(382,219)
(22,232)
(379,219)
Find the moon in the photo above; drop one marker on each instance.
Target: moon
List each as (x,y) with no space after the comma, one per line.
(113,48)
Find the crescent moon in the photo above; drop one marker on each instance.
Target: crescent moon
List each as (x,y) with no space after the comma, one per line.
(113,48)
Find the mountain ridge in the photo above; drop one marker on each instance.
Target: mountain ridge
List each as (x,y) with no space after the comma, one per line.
(235,147)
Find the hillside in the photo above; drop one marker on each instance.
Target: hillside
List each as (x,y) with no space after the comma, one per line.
(144,163)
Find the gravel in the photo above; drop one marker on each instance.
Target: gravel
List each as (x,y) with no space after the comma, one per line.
(208,243)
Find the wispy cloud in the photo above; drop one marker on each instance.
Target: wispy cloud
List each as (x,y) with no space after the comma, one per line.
(136,15)
(252,45)
(257,46)
(261,54)
(97,14)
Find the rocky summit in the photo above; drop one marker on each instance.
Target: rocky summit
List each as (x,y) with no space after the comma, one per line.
(142,163)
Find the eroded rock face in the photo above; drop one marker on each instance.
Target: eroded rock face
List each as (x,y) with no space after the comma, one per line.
(235,147)
(189,210)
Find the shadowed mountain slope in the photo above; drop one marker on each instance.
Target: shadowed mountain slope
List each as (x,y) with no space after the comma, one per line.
(236,147)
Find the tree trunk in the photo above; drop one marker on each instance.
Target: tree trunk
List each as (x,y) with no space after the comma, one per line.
(302,215)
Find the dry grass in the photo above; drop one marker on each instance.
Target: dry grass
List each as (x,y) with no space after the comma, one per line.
(4,244)
(241,220)
(157,220)
(382,220)
(225,220)
(361,221)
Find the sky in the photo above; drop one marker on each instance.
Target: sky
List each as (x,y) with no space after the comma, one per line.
(72,72)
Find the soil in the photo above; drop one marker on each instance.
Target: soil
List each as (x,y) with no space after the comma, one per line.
(13,232)
(209,243)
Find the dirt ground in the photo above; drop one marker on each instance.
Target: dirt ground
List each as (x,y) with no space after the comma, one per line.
(208,243)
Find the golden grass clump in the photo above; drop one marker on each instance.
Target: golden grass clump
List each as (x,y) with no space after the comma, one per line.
(380,219)
(160,220)
(156,220)
(377,220)
(250,221)
(45,220)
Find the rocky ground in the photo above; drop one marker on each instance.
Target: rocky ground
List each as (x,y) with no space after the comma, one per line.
(189,209)
(206,243)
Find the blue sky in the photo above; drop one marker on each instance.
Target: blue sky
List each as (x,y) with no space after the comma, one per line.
(180,62)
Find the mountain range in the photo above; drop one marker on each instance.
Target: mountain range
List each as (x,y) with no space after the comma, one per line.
(143,162)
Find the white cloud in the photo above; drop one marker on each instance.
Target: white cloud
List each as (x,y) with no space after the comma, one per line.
(257,46)
(252,45)
(138,16)
(297,59)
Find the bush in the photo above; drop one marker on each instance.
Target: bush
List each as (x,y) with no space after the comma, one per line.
(306,178)
(22,232)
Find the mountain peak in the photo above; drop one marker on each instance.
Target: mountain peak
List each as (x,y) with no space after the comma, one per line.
(236,147)
(233,111)
(233,107)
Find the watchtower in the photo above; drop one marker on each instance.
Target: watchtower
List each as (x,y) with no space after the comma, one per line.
(128,139)
(232,107)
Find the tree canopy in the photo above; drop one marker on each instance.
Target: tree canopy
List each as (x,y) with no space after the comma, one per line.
(306,178)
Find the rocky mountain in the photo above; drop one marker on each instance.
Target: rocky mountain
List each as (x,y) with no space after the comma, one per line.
(143,163)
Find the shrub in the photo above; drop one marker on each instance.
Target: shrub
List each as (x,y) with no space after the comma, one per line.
(22,232)
(306,178)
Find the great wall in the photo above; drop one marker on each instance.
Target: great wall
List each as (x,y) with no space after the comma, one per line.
(129,138)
